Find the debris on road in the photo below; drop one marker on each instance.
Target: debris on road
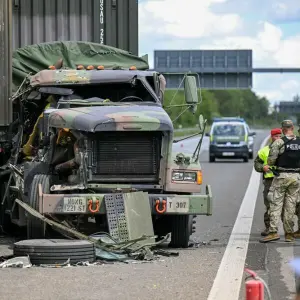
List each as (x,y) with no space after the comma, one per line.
(103,246)
(196,244)
(17,262)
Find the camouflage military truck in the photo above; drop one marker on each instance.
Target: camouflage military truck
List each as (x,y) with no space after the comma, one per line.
(91,126)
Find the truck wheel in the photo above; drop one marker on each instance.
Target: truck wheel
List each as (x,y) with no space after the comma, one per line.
(246,159)
(182,229)
(212,158)
(250,155)
(36,229)
(55,251)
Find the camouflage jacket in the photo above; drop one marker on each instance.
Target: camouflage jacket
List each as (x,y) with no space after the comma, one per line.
(276,149)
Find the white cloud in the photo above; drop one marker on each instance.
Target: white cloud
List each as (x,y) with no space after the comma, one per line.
(270,37)
(186,19)
(272,96)
(290,84)
(270,49)
(193,24)
(286,11)
(288,52)
(276,87)
(268,46)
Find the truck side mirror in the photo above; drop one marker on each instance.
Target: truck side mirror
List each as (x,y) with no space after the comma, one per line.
(191,91)
(207,134)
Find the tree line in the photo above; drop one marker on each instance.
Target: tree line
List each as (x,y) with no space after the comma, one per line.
(223,103)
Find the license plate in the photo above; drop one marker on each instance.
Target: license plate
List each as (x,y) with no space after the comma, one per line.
(228,153)
(74,205)
(178,205)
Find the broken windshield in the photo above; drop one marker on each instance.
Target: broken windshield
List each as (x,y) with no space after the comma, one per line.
(97,94)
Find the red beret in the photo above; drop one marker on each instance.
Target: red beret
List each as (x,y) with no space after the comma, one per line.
(275,131)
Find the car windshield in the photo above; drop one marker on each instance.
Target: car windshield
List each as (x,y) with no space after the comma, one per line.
(229,129)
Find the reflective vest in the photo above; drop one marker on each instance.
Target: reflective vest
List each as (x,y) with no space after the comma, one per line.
(263,155)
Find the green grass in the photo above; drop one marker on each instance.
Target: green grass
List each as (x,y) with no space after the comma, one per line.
(189,131)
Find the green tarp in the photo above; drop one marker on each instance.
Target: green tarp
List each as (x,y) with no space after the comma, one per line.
(34,58)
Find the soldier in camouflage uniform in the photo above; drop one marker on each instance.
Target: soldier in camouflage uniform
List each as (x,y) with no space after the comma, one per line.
(261,165)
(285,188)
(297,233)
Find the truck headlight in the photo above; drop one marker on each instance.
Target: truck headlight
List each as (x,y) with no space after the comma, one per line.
(187,176)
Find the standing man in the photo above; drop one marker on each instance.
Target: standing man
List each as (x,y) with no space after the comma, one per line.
(297,233)
(284,191)
(261,165)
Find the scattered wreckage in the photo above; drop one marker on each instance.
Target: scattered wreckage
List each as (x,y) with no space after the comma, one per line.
(90,148)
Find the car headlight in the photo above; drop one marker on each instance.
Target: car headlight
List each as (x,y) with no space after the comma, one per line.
(187,176)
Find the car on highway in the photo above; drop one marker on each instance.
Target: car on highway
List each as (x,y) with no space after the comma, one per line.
(230,138)
(251,143)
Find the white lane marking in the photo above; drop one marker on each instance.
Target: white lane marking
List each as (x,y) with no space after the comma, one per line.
(227,283)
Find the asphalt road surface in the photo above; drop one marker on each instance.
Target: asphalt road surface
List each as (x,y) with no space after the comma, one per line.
(227,242)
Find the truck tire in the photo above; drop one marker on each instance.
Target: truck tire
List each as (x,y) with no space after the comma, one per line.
(54,251)
(246,159)
(212,159)
(182,229)
(36,229)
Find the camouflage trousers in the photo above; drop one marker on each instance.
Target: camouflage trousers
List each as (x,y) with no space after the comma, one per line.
(283,196)
(267,184)
(298,213)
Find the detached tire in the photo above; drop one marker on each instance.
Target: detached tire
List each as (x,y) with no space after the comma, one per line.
(36,229)
(55,251)
(182,228)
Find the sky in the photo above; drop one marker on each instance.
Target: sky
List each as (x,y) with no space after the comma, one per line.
(271,28)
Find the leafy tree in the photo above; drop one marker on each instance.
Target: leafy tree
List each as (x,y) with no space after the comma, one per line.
(226,103)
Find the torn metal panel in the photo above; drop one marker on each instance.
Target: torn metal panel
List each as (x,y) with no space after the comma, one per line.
(138,215)
(129,216)
(116,217)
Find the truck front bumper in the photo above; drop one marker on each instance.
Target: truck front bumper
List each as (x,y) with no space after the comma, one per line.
(95,203)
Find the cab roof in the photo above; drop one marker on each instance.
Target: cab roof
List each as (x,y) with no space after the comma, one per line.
(73,76)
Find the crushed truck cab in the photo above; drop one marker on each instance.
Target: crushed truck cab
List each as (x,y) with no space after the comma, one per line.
(91,135)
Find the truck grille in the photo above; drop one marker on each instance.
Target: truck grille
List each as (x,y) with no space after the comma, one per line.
(126,156)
